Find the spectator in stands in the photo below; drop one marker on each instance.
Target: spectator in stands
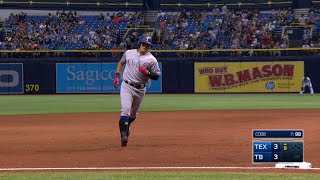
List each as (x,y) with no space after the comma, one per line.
(224,9)
(183,14)
(49,19)
(306,46)
(161,14)
(22,17)
(115,54)
(75,14)
(266,41)
(305,36)
(113,16)
(312,45)
(116,19)
(120,14)
(99,30)
(284,45)
(302,20)
(285,38)
(276,46)
(216,11)
(63,13)
(101,17)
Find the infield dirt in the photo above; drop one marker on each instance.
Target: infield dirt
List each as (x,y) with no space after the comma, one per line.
(158,139)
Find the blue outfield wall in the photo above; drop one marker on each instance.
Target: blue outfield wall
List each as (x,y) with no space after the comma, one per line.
(90,75)
(39,77)
(178,76)
(92,78)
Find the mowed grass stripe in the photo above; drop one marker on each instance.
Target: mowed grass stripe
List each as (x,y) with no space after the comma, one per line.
(48,104)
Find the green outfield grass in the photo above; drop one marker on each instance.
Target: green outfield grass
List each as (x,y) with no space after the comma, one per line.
(46,104)
(157,176)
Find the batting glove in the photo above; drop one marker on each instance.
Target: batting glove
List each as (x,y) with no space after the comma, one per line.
(116,82)
(143,70)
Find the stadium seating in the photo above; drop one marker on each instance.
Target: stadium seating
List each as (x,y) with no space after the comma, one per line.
(173,32)
(89,23)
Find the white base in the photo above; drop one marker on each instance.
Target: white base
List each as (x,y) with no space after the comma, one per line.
(294,165)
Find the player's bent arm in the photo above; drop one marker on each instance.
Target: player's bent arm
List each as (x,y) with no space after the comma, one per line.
(152,76)
(154,70)
(119,68)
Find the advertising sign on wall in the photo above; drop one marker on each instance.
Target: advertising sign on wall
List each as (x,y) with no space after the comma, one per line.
(248,77)
(92,78)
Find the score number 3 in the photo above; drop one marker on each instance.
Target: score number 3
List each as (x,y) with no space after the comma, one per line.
(275,146)
(275,156)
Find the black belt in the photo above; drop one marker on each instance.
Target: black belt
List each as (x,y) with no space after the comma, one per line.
(138,86)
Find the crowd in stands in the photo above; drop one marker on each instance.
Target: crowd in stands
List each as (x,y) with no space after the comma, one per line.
(221,28)
(66,31)
(29,34)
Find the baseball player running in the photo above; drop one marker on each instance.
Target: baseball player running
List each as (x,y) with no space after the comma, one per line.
(140,65)
(306,82)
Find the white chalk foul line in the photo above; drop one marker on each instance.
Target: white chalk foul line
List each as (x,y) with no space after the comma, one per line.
(139,168)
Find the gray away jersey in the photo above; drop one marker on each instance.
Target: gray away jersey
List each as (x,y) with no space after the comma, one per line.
(132,59)
(307,80)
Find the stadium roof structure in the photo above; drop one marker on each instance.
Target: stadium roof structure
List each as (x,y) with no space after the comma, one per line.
(98,5)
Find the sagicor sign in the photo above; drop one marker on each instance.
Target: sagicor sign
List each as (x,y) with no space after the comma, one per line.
(91,78)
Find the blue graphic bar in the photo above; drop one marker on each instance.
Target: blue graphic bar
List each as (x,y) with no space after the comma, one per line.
(278,134)
(261,157)
(262,147)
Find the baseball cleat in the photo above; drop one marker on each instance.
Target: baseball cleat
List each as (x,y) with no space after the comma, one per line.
(124,139)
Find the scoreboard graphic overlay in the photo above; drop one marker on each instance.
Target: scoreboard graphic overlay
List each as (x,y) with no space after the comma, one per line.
(273,146)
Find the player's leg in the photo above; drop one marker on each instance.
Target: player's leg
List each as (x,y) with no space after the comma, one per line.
(311,89)
(126,97)
(137,100)
(302,88)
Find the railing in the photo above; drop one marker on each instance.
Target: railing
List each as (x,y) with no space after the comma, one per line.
(316,2)
(143,26)
(296,34)
(297,25)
